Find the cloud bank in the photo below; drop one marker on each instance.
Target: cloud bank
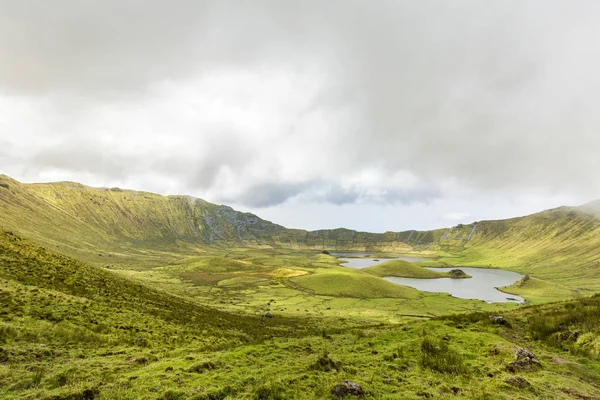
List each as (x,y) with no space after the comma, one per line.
(266,103)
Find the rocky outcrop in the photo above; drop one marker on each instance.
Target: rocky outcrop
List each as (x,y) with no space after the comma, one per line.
(458,274)
(525,360)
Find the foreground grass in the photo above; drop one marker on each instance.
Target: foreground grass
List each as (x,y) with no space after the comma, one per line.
(452,358)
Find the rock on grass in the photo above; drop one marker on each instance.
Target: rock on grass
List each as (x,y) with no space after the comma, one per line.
(517,381)
(347,388)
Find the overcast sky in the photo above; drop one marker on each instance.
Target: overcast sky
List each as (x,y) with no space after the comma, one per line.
(372,115)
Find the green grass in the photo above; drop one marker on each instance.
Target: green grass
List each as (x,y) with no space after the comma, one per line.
(348,282)
(70,330)
(405,269)
(537,291)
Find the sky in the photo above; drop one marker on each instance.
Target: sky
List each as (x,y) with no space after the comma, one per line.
(371,115)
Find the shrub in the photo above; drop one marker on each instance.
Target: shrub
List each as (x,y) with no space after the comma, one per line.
(437,356)
(541,326)
(270,391)
(324,363)
(218,394)
(172,395)
(7,333)
(589,343)
(203,366)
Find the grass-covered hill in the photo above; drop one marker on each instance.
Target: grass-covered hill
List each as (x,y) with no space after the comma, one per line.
(67,325)
(405,269)
(561,245)
(72,331)
(78,218)
(65,290)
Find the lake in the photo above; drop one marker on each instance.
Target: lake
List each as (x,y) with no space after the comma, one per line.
(481,286)
(360,263)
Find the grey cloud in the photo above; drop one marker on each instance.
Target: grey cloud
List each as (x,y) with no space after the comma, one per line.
(267,194)
(339,195)
(200,164)
(84,157)
(319,191)
(490,95)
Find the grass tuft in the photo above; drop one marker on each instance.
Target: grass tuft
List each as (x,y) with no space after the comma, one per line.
(437,356)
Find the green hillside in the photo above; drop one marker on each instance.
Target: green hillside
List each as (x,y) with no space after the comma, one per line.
(85,221)
(404,269)
(71,331)
(560,245)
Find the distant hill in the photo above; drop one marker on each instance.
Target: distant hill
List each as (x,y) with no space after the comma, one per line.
(561,245)
(77,216)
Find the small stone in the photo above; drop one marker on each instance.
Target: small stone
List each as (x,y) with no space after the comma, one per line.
(517,381)
(498,320)
(347,388)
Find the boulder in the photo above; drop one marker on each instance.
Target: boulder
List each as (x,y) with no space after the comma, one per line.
(517,381)
(498,320)
(347,388)
(525,360)
(269,315)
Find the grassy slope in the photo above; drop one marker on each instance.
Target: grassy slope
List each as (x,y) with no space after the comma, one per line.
(59,312)
(537,291)
(85,221)
(72,331)
(404,269)
(560,245)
